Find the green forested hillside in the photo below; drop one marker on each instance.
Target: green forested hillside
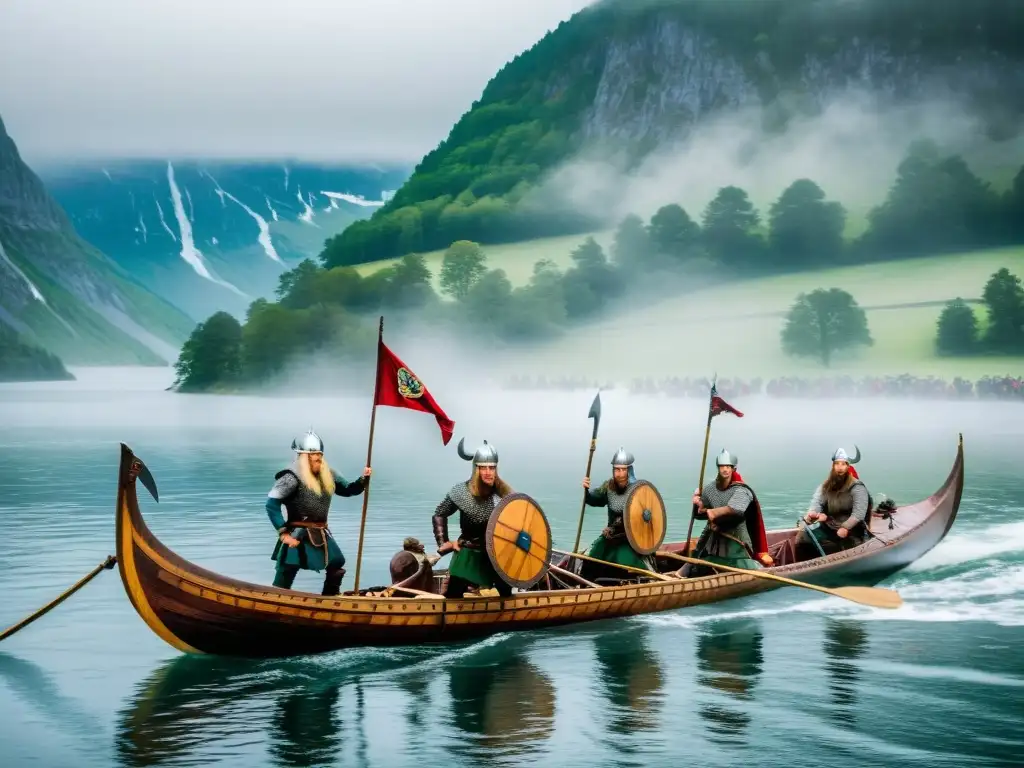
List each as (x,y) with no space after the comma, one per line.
(627,76)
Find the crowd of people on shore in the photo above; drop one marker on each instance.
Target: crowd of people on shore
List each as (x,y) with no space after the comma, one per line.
(906,385)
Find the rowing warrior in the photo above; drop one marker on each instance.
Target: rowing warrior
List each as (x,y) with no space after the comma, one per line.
(612,545)
(304,540)
(841,504)
(734,535)
(474,500)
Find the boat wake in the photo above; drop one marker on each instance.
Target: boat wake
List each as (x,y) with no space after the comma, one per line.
(975,575)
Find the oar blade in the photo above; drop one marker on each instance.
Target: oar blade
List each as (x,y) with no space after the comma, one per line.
(876,597)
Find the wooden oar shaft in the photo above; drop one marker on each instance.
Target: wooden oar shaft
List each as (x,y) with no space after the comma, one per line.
(887,598)
(630,568)
(583,506)
(575,577)
(107,564)
(800,524)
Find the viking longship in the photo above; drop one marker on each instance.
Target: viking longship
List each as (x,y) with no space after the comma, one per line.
(198,611)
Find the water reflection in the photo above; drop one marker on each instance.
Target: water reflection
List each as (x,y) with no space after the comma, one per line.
(845,643)
(630,678)
(194,708)
(729,659)
(30,684)
(502,705)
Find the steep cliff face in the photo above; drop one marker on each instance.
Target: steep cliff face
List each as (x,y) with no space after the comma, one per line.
(58,291)
(210,236)
(623,79)
(661,78)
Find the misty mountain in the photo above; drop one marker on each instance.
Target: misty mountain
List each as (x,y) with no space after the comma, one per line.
(209,236)
(60,293)
(623,82)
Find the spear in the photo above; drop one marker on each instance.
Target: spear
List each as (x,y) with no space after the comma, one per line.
(716,405)
(595,414)
(703,460)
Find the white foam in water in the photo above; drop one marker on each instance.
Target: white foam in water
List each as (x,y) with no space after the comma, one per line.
(975,545)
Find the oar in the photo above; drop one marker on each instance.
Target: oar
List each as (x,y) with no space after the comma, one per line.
(800,524)
(107,564)
(595,414)
(877,597)
(655,574)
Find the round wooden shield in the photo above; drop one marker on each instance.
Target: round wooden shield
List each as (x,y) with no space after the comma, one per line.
(519,540)
(644,518)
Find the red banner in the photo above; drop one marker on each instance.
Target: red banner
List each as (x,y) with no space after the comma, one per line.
(399,387)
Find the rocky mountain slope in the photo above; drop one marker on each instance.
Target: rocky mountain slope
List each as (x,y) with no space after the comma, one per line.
(209,236)
(60,293)
(625,78)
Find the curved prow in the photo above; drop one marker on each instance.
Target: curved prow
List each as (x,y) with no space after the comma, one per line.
(135,544)
(954,484)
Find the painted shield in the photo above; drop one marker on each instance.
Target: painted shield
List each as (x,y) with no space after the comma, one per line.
(644,518)
(519,540)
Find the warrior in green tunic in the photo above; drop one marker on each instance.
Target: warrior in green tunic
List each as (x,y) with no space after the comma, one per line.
(842,505)
(612,545)
(304,540)
(734,535)
(474,500)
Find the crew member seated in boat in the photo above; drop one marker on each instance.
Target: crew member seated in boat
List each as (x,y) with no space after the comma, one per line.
(413,559)
(841,504)
(612,545)
(474,500)
(304,540)
(734,535)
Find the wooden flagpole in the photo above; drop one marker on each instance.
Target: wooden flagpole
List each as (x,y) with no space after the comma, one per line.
(369,453)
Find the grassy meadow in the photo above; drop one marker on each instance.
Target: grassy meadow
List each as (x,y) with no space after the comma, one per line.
(734,329)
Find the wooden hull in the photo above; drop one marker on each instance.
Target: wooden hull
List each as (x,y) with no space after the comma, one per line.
(198,611)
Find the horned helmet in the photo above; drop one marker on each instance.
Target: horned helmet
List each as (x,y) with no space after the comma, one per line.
(486,455)
(842,455)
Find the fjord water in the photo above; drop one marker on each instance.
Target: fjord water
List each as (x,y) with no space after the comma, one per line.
(791,677)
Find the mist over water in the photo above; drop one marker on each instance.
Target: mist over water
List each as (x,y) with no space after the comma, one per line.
(724,684)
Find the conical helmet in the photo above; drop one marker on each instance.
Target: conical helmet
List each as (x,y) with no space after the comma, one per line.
(622,458)
(486,455)
(308,443)
(726,459)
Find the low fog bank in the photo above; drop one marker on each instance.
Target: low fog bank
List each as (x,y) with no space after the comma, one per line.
(850,148)
(908,447)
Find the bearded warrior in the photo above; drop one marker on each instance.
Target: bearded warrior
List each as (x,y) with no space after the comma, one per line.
(474,500)
(734,535)
(612,545)
(304,540)
(841,504)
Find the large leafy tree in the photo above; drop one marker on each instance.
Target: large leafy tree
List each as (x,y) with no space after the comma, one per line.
(212,355)
(463,265)
(804,228)
(823,322)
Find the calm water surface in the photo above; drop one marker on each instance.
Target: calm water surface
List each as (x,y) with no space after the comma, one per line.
(786,678)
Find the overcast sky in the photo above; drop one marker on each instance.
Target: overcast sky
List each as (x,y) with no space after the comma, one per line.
(317,79)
